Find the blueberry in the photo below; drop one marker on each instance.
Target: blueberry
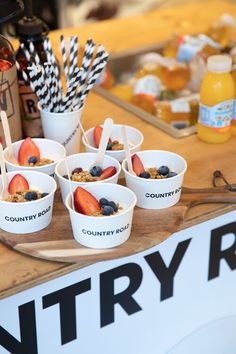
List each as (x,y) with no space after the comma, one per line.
(31,195)
(77,170)
(44,195)
(103,201)
(145,175)
(33,159)
(96,171)
(172,174)
(65,176)
(109,146)
(163,170)
(113,205)
(107,210)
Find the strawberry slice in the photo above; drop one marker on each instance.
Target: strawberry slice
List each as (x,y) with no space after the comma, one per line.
(97,133)
(18,184)
(108,172)
(137,165)
(4,65)
(28,149)
(85,203)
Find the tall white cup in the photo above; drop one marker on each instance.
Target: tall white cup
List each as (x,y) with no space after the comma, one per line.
(62,127)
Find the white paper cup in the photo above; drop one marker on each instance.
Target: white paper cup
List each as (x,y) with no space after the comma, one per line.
(135,137)
(48,149)
(157,193)
(83,160)
(62,127)
(104,231)
(28,217)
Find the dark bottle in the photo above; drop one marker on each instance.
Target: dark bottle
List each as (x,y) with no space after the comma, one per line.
(9,101)
(30,29)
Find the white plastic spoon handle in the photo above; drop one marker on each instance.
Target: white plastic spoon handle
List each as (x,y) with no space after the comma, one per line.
(70,185)
(4,191)
(83,132)
(7,135)
(127,150)
(106,131)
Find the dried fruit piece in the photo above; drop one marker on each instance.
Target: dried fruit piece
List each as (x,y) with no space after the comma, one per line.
(108,172)
(28,149)
(97,133)
(137,165)
(18,184)
(85,203)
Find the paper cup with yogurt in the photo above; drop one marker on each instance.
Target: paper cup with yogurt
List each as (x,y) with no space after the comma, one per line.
(135,139)
(104,231)
(157,193)
(62,127)
(48,149)
(85,161)
(30,216)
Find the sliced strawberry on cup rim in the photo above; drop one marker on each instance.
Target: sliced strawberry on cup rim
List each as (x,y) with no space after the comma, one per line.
(28,149)
(137,165)
(97,133)
(85,203)
(18,184)
(108,172)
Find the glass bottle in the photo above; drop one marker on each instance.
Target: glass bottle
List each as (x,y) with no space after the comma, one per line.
(9,101)
(30,29)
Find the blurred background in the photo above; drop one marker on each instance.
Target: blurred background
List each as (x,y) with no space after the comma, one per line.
(74,13)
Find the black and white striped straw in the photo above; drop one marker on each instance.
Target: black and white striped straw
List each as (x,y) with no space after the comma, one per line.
(45,81)
(73,55)
(87,58)
(93,76)
(34,53)
(73,83)
(64,57)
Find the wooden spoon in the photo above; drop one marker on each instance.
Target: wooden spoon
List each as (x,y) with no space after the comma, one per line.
(8,140)
(127,150)
(4,192)
(106,131)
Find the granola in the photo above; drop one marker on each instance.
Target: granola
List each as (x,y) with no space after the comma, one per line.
(21,197)
(83,176)
(41,162)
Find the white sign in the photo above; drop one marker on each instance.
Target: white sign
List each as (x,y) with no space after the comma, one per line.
(175,298)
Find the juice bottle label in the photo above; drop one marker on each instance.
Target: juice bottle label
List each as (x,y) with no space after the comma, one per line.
(218,116)
(148,85)
(234,111)
(180,106)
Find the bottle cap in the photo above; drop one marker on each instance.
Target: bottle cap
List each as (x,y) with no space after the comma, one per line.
(33,26)
(30,25)
(219,63)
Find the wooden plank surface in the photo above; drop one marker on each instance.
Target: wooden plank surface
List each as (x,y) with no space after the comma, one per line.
(18,271)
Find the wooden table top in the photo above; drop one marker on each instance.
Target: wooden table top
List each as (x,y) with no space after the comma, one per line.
(19,272)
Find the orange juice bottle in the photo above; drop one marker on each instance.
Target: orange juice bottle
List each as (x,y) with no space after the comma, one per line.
(233,125)
(216,100)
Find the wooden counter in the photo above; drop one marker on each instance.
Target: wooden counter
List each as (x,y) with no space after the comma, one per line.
(19,272)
